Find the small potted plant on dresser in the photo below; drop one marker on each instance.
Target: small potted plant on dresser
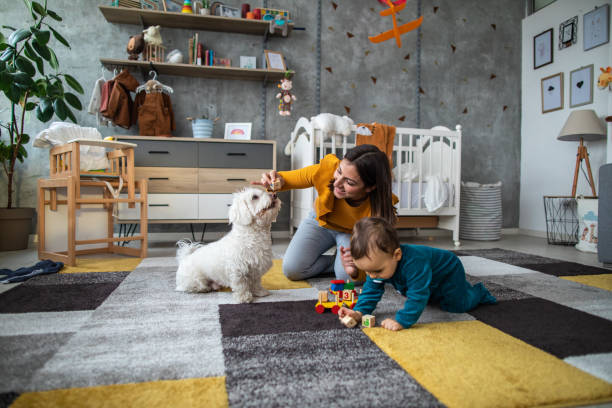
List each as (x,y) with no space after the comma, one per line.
(27,85)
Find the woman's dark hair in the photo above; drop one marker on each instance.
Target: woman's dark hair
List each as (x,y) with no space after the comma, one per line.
(374,169)
(370,233)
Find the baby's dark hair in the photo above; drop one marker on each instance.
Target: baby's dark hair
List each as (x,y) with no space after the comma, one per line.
(370,233)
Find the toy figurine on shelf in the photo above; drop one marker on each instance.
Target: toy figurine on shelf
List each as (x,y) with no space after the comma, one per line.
(135,46)
(279,22)
(285,95)
(187,7)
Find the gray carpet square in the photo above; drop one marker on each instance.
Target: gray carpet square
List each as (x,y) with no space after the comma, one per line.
(12,324)
(599,365)
(23,355)
(309,369)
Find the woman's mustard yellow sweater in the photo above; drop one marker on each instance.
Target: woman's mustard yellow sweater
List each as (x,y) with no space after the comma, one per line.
(331,213)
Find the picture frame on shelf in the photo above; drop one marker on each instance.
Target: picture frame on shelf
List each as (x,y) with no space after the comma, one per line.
(227,11)
(552,92)
(238,131)
(275,60)
(543,49)
(568,32)
(596,27)
(581,86)
(248,62)
(173,6)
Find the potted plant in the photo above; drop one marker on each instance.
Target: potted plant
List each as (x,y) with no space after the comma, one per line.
(29,86)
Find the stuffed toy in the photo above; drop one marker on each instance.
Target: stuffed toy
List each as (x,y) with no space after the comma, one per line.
(135,46)
(605,78)
(281,23)
(152,36)
(285,96)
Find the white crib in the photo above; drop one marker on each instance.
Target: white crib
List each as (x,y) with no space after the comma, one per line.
(417,155)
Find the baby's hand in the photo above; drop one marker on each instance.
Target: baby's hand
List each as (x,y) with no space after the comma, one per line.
(347,262)
(391,324)
(345,311)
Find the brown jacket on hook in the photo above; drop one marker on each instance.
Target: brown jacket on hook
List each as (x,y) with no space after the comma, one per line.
(154,113)
(119,109)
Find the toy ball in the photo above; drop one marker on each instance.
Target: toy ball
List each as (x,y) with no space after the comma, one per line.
(175,57)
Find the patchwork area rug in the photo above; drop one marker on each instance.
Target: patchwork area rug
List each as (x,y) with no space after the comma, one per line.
(121,338)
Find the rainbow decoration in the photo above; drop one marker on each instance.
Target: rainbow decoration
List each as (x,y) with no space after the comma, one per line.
(187,7)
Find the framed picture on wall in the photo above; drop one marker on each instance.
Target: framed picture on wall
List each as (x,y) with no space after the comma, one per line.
(543,49)
(238,131)
(581,86)
(275,60)
(552,93)
(596,27)
(568,32)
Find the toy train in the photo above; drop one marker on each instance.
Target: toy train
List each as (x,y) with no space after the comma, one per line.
(344,294)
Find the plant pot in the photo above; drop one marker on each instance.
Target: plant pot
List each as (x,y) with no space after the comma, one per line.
(15,224)
(202,128)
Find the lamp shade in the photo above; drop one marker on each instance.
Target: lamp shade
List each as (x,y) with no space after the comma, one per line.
(582,124)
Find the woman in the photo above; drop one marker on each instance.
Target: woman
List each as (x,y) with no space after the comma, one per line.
(349,189)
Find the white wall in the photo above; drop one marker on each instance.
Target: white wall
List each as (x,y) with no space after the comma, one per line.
(547,165)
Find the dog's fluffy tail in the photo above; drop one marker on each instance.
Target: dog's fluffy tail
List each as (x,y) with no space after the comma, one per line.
(185,248)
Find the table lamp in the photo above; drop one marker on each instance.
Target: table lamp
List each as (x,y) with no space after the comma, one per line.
(582,125)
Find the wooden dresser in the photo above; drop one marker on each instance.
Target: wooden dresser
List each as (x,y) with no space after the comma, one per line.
(192,180)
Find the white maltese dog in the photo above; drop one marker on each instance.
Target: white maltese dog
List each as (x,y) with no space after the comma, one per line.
(240,258)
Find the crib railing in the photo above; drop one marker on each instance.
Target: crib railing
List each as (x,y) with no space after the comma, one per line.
(421,153)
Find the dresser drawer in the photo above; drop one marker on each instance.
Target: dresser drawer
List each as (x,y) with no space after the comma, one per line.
(226,180)
(164,207)
(214,206)
(236,155)
(169,179)
(165,153)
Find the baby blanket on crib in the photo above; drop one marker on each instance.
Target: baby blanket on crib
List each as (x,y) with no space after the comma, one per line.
(382,136)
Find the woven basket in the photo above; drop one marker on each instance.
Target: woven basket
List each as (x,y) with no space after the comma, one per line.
(480,215)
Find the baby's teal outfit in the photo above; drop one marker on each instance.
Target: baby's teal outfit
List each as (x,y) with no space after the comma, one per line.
(426,274)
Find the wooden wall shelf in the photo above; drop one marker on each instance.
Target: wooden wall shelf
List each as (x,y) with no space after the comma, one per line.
(125,15)
(200,71)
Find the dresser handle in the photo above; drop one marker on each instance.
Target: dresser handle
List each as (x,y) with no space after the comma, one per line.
(236,179)
(236,154)
(159,152)
(159,178)
(159,205)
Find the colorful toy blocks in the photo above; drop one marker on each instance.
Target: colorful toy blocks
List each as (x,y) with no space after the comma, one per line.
(368,321)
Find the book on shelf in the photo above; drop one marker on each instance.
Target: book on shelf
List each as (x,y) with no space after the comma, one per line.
(190,50)
(200,49)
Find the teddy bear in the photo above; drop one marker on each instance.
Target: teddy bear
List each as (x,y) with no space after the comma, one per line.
(285,96)
(135,46)
(152,35)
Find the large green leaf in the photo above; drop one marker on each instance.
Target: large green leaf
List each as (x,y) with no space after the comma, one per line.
(54,15)
(74,84)
(25,138)
(42,50)
(2,38)
(53,60)
(22,79)
(7,54)
(44,110)
(71,116)
(29,51)
(26,66)
(38,8)
(40,64)
(30,106)
(14,93)
(60,108)
(18,35)
(42,36)
(73,100)
(59,37)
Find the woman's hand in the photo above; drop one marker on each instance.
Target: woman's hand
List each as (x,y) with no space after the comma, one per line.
(345,311)
(268,179)
(347,262)
(391,324)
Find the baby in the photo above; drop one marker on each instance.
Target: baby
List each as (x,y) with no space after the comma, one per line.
(420,273)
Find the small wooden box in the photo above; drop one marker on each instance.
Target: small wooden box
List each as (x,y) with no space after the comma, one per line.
(368,321)
(322,296)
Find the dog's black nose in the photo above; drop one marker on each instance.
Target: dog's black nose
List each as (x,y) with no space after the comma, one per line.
(274,196)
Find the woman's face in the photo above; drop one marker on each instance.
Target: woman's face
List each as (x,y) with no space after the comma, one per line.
(348,183)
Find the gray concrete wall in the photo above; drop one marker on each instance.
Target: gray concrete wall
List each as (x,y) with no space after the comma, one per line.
(476,84)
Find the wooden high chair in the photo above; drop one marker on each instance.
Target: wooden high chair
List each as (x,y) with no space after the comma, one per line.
(65,173)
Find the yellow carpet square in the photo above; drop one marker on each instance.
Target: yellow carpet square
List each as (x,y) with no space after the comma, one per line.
(471,364)
(274,279)
(110,264)
(603,281)
(194,392)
